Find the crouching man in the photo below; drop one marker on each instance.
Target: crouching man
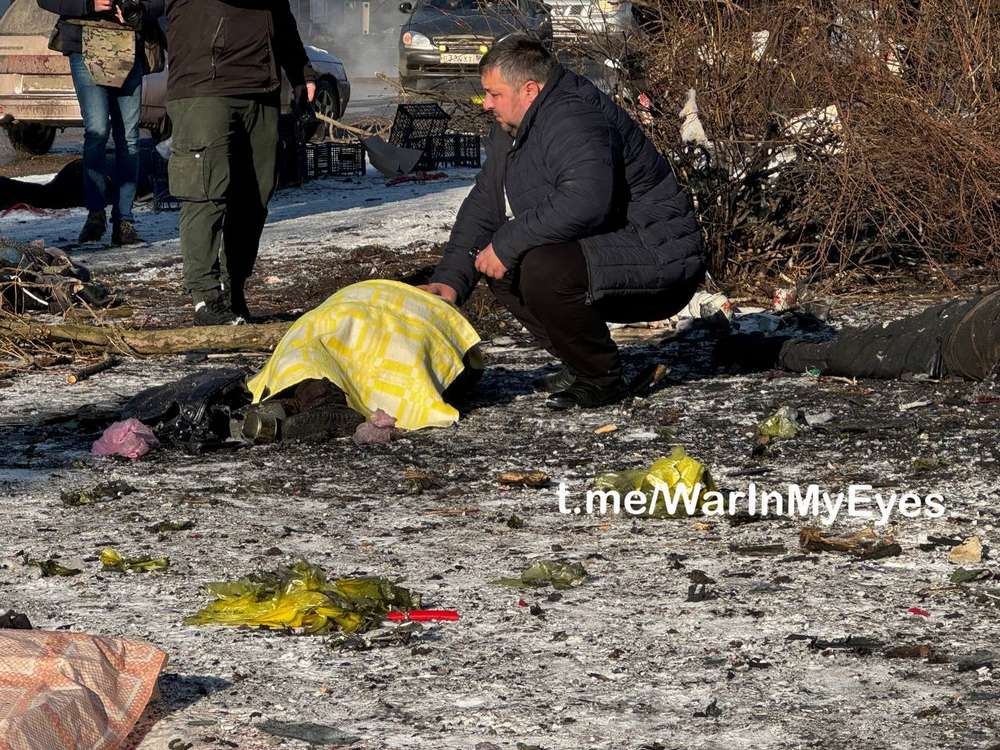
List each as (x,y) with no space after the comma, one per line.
(575,220)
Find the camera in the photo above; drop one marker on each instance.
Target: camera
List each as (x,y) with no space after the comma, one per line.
(131,11)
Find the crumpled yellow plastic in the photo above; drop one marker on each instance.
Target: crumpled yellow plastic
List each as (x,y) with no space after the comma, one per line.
(301,598)
(111,559)
(668,473)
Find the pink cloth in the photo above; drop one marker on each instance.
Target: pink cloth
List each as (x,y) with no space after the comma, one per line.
(129,439)
(380,428)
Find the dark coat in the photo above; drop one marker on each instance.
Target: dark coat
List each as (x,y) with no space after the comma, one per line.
(233,48)
(69,39)
(579,170)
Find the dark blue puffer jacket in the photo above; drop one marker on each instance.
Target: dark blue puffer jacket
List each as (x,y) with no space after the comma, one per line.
(580,169)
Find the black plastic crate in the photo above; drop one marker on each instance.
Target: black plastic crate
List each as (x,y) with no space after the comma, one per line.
(332,160)
(457,150)
(416,122)
(450,150)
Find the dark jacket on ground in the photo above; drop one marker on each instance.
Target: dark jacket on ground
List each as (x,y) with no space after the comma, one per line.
(70,36)
(580,169)
(233,48)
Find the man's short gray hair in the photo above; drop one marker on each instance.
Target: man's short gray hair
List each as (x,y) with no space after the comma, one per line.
(520,59)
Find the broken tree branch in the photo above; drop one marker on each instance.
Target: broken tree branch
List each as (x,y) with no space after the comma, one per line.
(251,338)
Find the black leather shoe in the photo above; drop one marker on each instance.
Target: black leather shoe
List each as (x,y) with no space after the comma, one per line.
(554,382)
(588,396)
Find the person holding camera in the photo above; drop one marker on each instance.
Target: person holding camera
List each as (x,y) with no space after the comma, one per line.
(223,98)
(107,75)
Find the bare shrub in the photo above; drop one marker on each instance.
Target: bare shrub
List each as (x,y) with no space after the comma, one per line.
(909,172)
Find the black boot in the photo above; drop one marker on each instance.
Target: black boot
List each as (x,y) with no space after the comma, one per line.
(236,295)
(555,381)
(588,395)
(213,309)
(93,227)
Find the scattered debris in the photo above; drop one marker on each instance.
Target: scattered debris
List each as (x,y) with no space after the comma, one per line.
(968,576)
(96,494)
(712,711)
(558,574)
(36,277)
(975,661)
(12,620)
(918,651)
(969,551)
(864,544)
(515,522)
(930,463)
(535,479)
(402,635)
(53,568)
(112,560)
(698,590)
(783,424)
(857,643)
(164,527)
(933,542)
(80,375)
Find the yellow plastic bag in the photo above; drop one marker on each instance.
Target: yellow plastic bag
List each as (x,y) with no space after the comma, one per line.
(301,598)
(677,473)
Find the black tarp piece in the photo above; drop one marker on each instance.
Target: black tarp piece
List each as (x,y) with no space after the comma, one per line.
(958,339)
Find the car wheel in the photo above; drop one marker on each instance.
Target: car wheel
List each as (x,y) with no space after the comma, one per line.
(31,137)
(327,102)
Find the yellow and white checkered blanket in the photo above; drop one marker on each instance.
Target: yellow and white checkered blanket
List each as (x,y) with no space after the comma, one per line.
(387,345)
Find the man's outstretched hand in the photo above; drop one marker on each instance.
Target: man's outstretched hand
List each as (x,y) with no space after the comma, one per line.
(488,264)
(443,291)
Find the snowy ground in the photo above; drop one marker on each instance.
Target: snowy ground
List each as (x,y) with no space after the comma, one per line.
(624,661)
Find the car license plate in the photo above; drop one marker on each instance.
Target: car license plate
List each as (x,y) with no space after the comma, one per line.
(459,58)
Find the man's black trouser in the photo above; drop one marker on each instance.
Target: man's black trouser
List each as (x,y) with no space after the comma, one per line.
(548,292)
(223,169)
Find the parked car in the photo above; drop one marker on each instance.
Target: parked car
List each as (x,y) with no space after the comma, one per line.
(443,40)
(37,96)
(575,22)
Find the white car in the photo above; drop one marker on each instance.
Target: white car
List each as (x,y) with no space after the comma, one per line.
(575,21)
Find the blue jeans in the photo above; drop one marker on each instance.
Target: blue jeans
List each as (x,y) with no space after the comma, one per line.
(107,111)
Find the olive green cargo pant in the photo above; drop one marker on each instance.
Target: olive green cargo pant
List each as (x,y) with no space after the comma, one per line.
(223,169)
